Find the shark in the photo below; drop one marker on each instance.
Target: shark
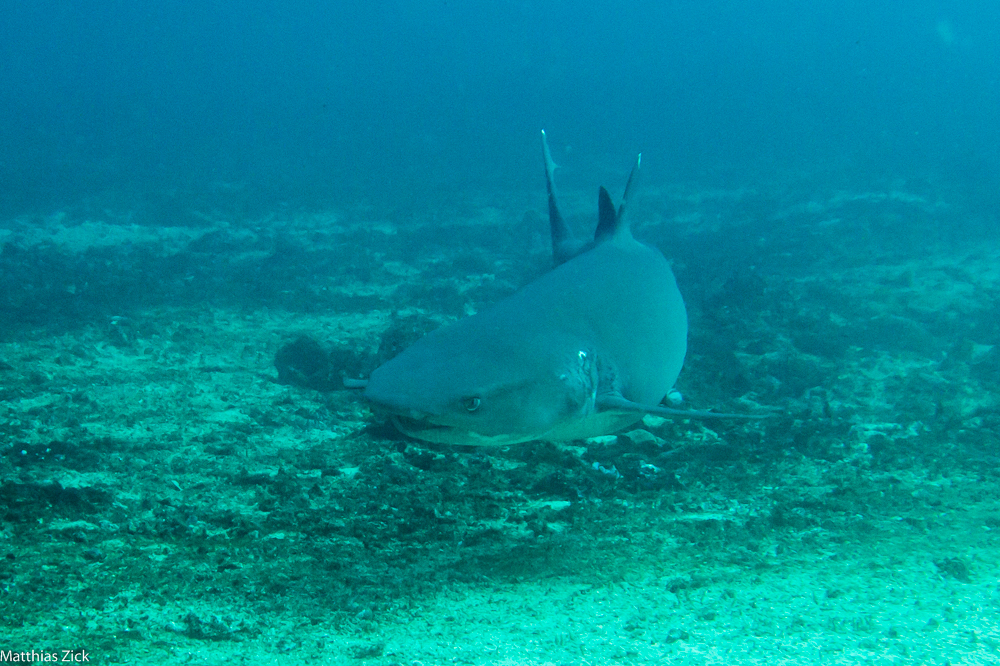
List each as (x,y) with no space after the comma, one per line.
(587,349)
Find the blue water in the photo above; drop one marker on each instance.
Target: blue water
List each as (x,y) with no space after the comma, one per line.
(315,101)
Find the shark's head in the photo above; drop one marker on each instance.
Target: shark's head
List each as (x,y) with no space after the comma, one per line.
(438,391)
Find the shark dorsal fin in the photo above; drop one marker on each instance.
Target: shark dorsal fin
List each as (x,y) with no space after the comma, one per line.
(607,216)
(611,222)
(629,183)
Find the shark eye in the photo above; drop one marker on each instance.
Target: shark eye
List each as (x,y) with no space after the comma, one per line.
(471,404)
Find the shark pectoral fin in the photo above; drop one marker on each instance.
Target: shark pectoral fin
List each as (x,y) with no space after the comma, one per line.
(621,404)
(355,383)
(668,412)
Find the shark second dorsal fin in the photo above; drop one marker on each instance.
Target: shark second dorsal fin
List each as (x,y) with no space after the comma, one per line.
(607,216)
(611,222)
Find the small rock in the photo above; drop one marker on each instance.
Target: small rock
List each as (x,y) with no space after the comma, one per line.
(641,439)
(92,555)
(953,567)
(674,635)
(368,650)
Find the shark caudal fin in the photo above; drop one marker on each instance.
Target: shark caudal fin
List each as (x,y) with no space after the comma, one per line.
(610,221)
(564,245)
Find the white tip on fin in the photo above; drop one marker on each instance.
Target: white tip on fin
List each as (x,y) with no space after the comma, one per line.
(550,165)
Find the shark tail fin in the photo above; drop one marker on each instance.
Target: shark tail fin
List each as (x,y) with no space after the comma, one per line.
(564,246)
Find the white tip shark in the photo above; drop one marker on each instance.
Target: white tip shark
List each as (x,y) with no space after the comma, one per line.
(585,350)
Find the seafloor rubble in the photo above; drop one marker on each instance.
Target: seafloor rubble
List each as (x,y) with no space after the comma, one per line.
(164,497)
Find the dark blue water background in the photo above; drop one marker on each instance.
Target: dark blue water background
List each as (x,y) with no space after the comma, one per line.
(404,102)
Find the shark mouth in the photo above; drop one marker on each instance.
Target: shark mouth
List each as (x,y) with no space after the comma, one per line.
(415,427)
(443,434)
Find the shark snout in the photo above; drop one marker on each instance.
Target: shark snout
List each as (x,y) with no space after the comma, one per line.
(390,397)
(393,404)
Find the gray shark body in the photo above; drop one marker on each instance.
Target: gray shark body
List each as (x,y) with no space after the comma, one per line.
(585,350)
